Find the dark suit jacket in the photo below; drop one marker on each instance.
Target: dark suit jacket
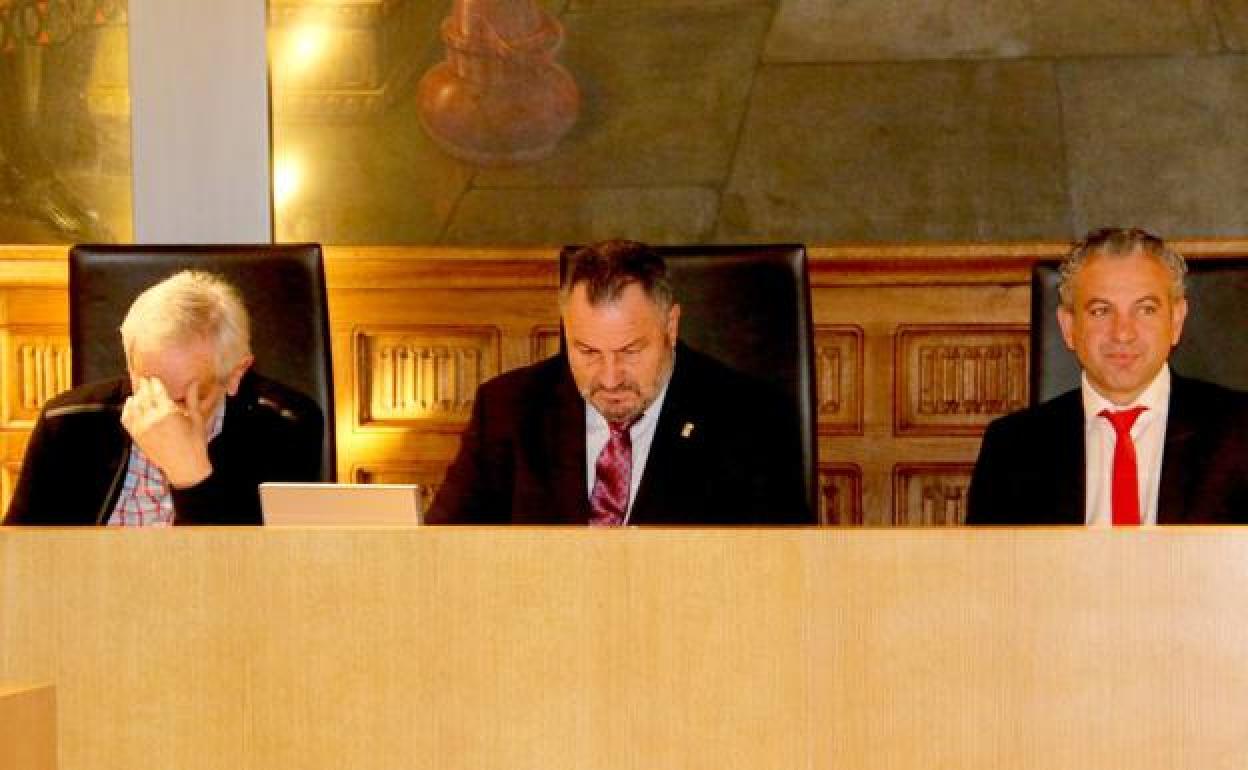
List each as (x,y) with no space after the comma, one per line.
(1031,463)
(522,456)
(78,453)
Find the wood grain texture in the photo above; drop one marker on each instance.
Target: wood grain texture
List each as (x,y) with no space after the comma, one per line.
(27,727)
(560,648)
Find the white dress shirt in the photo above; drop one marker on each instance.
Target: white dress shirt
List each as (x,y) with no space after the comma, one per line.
(1149,435)
(597,432)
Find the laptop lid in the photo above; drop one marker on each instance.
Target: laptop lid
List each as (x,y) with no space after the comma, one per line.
(288,503)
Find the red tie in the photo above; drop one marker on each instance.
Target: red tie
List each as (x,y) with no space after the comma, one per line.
(613,475)
(1126,488)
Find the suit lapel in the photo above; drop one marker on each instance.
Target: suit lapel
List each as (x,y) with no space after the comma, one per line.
(1067,453)
(669,450)
(1181,423)
(563,436)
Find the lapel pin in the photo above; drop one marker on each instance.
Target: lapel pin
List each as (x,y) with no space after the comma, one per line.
(687,430)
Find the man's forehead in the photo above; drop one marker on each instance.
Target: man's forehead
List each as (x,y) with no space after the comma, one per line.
(612,325)
(1136,273)
(174,363)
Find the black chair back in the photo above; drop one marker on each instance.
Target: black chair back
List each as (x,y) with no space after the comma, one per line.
(1214,345)
(283,287)
(749,306)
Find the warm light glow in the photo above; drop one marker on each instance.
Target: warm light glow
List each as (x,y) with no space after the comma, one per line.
(307,45)
(287,177)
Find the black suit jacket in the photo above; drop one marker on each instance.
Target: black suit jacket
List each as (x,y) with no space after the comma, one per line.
(522,456)
(78,453)
(1031,463)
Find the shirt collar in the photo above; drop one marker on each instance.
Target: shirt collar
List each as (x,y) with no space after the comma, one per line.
(217,420)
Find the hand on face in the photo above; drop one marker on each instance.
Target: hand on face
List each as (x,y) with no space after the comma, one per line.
(172,436)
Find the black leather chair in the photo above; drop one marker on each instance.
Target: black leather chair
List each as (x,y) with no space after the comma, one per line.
(1214,345)
(749,306)
(283,287)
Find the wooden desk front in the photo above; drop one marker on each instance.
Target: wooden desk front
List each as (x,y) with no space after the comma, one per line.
(27,727)
(511,649)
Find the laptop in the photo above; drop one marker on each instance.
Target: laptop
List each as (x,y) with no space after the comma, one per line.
(303,504)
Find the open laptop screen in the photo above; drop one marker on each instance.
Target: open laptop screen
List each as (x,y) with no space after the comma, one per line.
(285,503)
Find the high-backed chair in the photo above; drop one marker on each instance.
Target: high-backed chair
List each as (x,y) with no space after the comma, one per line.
(283,287)
(1214,345)
(749,306)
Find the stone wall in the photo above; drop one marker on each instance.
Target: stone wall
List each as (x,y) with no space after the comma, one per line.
(819,121)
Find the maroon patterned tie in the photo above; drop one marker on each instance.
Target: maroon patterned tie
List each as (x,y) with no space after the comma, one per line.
(613,474)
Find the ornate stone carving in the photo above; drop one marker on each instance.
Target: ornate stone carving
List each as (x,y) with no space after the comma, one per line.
(840,495)
(954,379)
(930,494)
(38,367)
(425,376)
(838,379)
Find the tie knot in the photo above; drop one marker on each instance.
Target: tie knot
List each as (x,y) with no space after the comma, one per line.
(1122,420)
(620,428)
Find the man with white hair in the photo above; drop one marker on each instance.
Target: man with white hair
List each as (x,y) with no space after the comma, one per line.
(185,439)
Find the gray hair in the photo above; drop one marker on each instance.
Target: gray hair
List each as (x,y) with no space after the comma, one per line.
(608,267)
(185,308)
(1120,242)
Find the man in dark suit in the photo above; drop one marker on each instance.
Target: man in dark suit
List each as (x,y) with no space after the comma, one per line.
(1136,443)
(627,426)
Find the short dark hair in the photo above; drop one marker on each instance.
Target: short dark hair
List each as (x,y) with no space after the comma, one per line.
(1120,242)
(608,267)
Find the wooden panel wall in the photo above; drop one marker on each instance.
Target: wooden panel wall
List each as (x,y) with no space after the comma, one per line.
(918,348)
(515,648)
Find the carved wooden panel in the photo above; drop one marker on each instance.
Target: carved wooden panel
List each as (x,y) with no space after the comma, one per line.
(422,375)
(428,475)
(543,342)
(36,368)
(838,379)
(930,494)
(952,380)
(840,495)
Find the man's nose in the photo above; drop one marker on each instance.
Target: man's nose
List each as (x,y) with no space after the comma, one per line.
(1123,329)
(612,372)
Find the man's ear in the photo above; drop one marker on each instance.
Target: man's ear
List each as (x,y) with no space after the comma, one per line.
(1066,320)
(673,323)
(236,374)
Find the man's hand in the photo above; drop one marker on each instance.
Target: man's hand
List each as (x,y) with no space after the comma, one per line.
(172,437)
